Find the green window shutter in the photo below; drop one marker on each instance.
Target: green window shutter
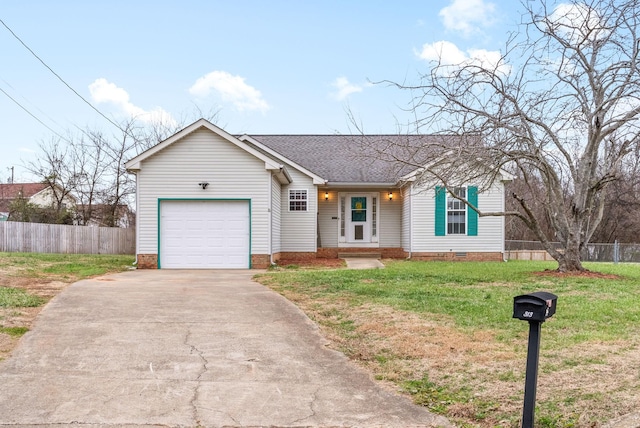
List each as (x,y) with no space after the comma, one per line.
(441,210)
(472,215)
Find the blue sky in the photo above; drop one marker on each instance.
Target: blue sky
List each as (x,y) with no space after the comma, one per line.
(290,67)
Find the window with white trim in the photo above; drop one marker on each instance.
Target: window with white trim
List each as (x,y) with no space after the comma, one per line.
(298,200)
(456,212)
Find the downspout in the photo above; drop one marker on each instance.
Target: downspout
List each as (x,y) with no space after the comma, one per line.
(410,221)
(503,220)
(135,263)
(271,218)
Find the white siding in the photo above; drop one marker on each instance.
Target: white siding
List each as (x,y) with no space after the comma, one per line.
(276,214)
(329,226)
(490,229)
(389,220)
(174,173)
(406,218)
(299,227)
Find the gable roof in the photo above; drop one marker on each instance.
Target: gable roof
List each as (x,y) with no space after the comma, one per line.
(337,159)
(354,159)
(270,164)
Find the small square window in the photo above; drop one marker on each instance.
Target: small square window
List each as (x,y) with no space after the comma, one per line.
(297,200)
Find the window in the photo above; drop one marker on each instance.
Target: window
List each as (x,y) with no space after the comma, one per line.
(342,215)
(297,200)
(374,216)
(358,208)
(456,212)
(453,217)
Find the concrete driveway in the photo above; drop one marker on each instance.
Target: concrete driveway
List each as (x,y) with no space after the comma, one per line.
(187,348)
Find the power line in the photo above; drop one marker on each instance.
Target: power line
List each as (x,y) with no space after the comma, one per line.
(24,99)
(33,115)
(59,78)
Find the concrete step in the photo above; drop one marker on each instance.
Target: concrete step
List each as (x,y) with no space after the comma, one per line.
(360,255)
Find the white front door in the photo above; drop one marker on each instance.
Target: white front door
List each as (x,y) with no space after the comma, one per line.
(358,211)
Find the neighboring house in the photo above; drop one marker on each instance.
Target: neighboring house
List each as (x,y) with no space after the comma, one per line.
(208,199)
(101,215)
(39,194)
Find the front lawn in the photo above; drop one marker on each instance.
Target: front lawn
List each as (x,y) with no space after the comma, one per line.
(444,333)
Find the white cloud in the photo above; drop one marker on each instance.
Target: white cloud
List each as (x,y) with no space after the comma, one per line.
(231,89)
(444,52)
(468,16)
(448,55)
(577,22)
(103,91)
(344,88)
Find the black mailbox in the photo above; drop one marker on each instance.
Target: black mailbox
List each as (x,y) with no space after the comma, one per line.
(536,306)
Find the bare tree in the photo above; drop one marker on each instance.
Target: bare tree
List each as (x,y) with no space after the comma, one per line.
(559,108)
(57,170)
(90,162)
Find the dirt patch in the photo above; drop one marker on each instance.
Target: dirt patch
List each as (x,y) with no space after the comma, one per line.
(582,274)
(23,317)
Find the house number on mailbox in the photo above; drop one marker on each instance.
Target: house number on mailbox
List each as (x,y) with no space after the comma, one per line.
(527,314)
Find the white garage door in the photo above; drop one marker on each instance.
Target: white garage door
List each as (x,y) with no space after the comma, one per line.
(204,234)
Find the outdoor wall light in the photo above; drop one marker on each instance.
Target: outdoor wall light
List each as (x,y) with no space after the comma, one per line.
(326,196)
(203,185)
(390,195)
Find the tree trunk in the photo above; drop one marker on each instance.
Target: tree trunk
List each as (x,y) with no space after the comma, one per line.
(569,259)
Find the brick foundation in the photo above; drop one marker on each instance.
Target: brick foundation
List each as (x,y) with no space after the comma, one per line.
(260,261)
(147,261)
(385,253)
(298,256)
(453,256)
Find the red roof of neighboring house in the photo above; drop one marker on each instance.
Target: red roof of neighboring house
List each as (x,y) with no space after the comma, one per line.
(9,192)
(26,190)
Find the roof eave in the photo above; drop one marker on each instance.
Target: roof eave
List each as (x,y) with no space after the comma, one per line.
(317,180)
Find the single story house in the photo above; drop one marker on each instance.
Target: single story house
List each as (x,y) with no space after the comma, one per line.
(209,199)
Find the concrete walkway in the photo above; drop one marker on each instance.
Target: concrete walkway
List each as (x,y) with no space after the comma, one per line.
(187,348)
(357,263)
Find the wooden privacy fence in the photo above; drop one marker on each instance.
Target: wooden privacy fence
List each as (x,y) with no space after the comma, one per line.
(59,238)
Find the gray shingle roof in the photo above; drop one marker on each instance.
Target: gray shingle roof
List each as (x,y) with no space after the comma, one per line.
(353,158)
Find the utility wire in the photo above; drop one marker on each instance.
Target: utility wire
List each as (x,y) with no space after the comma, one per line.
(33,115)
(59,78)
(28,102)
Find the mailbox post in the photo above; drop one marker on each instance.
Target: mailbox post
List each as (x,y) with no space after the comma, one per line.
(534,308)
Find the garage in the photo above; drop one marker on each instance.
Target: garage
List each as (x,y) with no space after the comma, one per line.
(204,234)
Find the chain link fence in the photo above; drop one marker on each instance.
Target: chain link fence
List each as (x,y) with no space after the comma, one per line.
(616,252)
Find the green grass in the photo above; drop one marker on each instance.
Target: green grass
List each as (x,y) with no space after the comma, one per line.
(478,297)
(14,331)
(66,267)
(17,298)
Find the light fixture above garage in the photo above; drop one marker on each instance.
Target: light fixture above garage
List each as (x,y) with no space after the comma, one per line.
(390,196)
(326,196)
